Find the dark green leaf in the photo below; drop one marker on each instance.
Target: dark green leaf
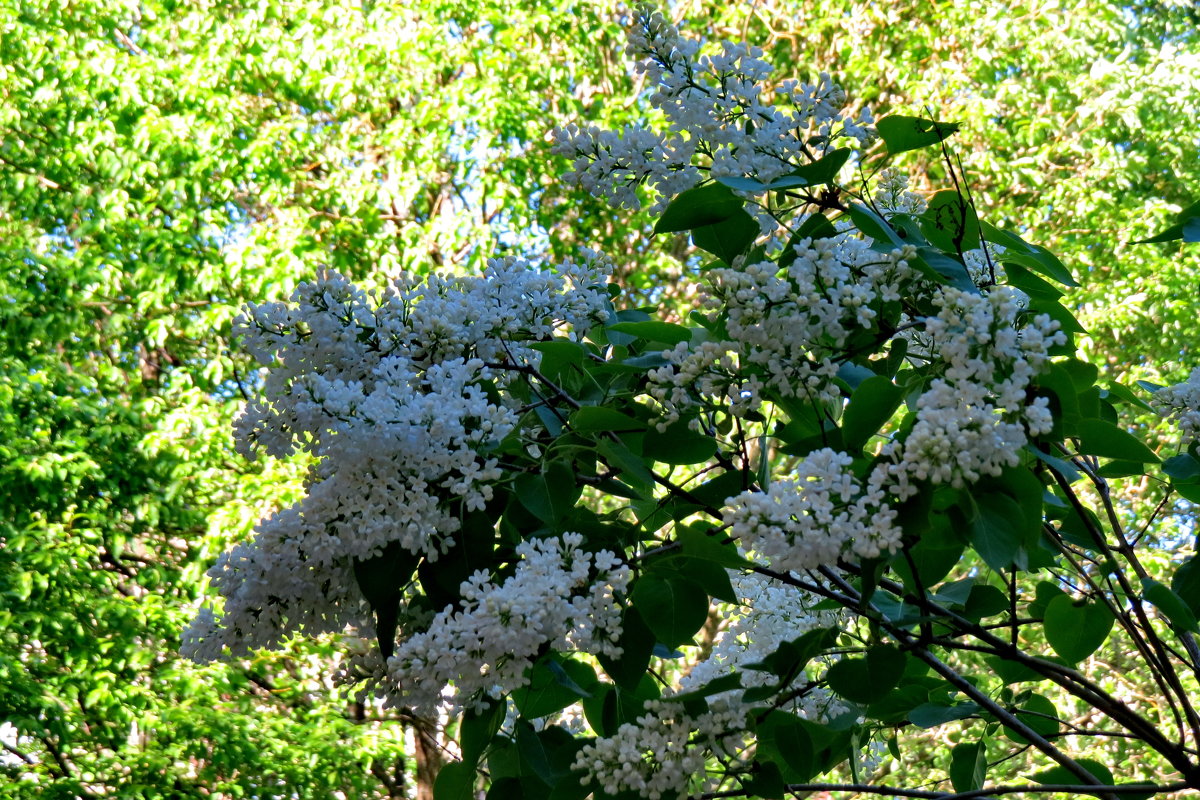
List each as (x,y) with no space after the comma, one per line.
(1183,468)
(1170,604)
(784,739)
(728,238)
(596,419)
(633,468)
(1076,630)
(968,766)
(654,331)
(455,781)
(1038,713)
(477,729)
(698,542)
(950,222)
(695,208)
(1034,257)
(985,601)
(1186,583)
(1186,227)
(766,780)
(1062,775)
(930,715)
(996,532)
(873,225)
(674,607)
(823,170)
(871,406)
(867,679)
(723,683)
(1011,671)
(549,495)
(1099,437)
(791,657)
(902,133)
(679,444)
(637,643)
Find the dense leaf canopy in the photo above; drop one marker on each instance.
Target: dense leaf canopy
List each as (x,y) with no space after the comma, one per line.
(162,163)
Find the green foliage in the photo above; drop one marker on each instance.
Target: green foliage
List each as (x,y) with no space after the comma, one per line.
(162,163)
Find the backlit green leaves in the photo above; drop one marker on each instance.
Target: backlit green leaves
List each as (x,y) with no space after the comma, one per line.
(1186,228)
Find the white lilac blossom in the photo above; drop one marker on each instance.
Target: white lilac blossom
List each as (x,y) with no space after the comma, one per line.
(723,120)
(390,395)
(768,614)
(559,595)
(787,327)
(823,513)
(663,753)
(892,195)
(973,419)
(1181,404)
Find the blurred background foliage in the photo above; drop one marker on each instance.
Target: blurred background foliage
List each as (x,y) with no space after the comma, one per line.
(164,162)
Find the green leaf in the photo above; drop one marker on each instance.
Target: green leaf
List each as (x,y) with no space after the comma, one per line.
(477,729)
(871,406)
(598,419)
(550,494)
(548,754)
(1170,604)
(1076,630)
(944,269)
(679,444)
(654,331)
(985,601)
(560,358)
(637,643)
(790,657)
(1011,671)
(633,468)
(552,687)
(1098,437)
(716,546)
(930,715)
(728,238)
(1183,468)
(823,170)
(873,225)
(902,133)
(1031,256)
(724,683)
(381,580)
(784,739)
(968,766)
(996,532)
(867,679)
(695,208)
(1038,713)
(1061,775)
(1186,583)
(950,222)
(455,781)
(936,553)
(766,780)
(674,607)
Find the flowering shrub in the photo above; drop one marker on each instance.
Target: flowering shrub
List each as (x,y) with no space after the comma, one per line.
(869,465)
